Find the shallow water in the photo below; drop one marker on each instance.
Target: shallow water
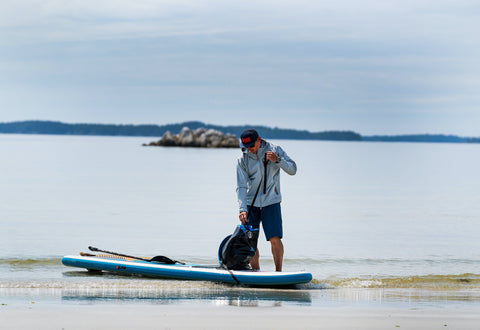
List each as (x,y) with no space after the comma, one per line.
(380,223)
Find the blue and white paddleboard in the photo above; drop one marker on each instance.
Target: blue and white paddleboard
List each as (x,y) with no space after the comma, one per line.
(124,265)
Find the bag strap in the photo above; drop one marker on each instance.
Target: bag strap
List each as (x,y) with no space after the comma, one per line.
(259,185)
(265,161)
(253,201)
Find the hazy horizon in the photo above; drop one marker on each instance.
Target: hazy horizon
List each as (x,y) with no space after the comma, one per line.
(247,125)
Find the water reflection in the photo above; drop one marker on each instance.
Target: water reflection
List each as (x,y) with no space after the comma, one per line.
(233,296)
(208,294)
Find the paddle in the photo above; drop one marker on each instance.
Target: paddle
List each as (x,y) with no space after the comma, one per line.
(160,259)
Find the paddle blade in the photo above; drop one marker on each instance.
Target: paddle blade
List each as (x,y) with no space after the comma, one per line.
(163,260)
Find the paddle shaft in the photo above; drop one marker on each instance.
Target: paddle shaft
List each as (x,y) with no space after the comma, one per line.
(161,259)
(91,248)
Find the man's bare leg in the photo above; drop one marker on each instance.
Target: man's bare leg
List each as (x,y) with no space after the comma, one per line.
(255,262)
(277,251)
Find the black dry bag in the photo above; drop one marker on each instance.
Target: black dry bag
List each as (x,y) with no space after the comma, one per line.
(236,250)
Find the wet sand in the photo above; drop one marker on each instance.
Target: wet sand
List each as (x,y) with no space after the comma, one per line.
(232,317)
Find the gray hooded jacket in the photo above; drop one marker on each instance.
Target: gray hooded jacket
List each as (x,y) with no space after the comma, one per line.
(250,173)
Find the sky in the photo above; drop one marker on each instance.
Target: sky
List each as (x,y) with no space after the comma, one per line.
(373,67)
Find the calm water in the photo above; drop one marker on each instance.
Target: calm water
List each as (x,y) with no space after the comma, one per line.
(374,222)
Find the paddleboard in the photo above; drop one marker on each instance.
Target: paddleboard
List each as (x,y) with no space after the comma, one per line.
(125,265)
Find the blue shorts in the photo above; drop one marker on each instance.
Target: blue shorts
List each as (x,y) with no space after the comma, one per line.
(271,218)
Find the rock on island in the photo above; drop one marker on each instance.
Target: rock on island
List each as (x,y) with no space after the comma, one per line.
(199,138)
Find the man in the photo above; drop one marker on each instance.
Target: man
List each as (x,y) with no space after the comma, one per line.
(259,166)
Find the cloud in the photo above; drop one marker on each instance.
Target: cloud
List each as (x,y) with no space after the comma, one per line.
(345,61)
(304,20)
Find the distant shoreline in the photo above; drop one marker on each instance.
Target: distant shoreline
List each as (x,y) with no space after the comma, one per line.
(59,128)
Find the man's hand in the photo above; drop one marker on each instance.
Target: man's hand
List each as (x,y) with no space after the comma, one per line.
(272,156)
(243,217)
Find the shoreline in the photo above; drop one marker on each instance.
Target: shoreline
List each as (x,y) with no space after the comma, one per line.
(82,316)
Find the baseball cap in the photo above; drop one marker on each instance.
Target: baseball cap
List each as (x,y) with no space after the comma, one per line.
(249,137)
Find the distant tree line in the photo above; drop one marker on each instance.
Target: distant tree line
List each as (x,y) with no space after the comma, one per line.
(55,127)
(431,138)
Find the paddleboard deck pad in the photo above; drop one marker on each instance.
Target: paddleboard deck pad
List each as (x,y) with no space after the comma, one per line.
(180,271)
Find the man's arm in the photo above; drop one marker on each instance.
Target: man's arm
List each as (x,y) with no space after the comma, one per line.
(283,160)
(242,187)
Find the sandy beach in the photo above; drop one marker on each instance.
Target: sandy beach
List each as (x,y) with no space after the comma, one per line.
(231,317)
